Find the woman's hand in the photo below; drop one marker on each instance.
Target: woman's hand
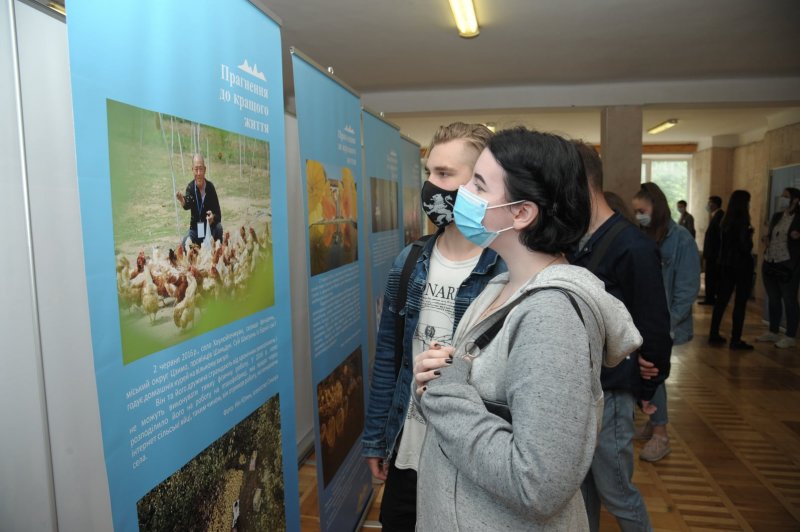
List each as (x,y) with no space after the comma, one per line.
(427,364)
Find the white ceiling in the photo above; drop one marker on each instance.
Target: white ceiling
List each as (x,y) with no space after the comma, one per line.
(727,69)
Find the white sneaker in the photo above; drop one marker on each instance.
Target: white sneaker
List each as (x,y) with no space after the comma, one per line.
(786,342)
(768,337)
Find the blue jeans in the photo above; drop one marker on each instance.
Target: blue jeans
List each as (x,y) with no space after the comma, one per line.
(660,417)
(609,479)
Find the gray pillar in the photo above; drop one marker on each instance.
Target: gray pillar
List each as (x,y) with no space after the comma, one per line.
(621,149)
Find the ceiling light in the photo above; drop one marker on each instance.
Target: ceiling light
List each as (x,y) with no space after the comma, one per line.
(491,126)
(663,126)
(464,14)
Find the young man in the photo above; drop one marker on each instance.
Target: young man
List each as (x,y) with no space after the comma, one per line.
(448,274)
(629,264)
(686,220)
(711,244)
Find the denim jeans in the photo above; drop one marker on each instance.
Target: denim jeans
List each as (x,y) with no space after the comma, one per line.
(660,417)
(609,479)
(782,295)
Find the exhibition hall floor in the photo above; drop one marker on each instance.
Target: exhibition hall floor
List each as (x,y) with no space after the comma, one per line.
(735,437)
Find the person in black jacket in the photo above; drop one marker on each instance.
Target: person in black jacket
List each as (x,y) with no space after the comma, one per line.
(781,269)
(201,198)
(686,220)
(735,269)
(629,263)
(711,244)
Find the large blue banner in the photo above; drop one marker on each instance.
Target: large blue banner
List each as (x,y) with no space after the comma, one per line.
(179,134)
(412,187)
(329,125)
(382,169)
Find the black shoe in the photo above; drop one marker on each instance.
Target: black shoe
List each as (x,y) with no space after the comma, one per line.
(738,345)
(715,339)
(705,303)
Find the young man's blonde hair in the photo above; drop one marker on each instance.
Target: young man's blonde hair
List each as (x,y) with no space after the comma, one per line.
(476,135)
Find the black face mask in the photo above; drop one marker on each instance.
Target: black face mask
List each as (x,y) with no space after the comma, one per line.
(438,203)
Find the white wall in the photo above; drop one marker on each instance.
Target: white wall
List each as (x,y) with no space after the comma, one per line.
(26,490)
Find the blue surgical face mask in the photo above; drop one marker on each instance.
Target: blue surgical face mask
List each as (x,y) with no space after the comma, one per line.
(783,203)
(643,219)
(469,212)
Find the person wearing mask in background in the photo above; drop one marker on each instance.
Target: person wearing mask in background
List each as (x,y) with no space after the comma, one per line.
(448,273)
(711,244)
(629,264)
(781,269)
(736,269)
(534,341)
(686,220)
(680,268)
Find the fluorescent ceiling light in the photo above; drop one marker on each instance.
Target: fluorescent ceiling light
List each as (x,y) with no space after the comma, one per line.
(663,126)
(466,21)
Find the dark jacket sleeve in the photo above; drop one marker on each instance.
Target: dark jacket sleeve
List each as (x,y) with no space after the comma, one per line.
(188,197)
(646,299)
(690,225)
(212,202)
(713,239)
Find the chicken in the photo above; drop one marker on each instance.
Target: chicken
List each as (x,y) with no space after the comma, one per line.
(149,296)
(183,313)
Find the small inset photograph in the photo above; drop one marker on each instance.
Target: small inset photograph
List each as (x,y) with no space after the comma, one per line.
(332,216)
(384,204)
(412,215)
(192,221)
(340,404)
(234,484)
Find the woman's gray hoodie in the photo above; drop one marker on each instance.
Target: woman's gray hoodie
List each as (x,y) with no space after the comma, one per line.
(477,471)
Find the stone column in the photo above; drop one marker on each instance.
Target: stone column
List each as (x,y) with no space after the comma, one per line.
(621,149)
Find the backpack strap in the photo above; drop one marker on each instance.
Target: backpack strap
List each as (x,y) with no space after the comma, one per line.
(402,294)
(605,242)
(488,335)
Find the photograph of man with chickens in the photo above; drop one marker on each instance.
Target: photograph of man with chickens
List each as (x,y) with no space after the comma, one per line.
(236,483)
(332,217)
(171,288)
(340,407)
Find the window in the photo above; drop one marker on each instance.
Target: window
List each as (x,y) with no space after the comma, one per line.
(672,177)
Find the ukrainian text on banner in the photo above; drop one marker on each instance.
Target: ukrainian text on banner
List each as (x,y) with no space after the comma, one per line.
(329,126)
(382,171)
(412,188)
(181,167)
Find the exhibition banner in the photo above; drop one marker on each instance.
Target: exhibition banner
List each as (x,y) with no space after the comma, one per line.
(412,188)
(382,170)
(329,126)
(179,135)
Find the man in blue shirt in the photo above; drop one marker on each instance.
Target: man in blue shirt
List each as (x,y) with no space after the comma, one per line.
(629,264)
(448,274)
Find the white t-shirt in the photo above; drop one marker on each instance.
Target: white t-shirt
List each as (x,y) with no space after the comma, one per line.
(436,318)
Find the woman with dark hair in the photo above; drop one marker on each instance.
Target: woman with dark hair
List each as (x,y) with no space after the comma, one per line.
(781,269)
(735,269)
(680,268)
(513,407)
